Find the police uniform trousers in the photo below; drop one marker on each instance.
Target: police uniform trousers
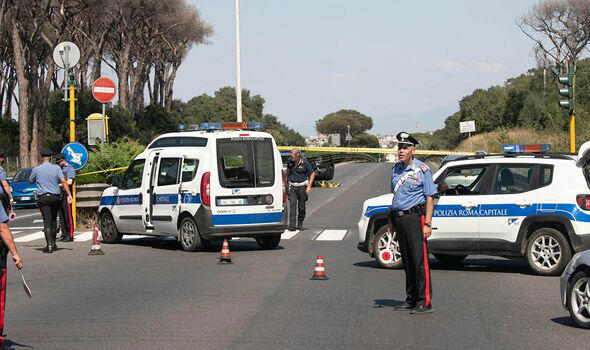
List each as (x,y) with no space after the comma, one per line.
(297,199)
(414,252)
(49,206)
(4,254)
(65,216)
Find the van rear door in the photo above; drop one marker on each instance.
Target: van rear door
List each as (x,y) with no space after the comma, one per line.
(248,187)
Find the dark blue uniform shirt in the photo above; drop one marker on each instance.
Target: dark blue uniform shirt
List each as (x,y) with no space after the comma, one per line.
(299,172)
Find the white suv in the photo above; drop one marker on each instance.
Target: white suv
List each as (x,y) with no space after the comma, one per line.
(532,205)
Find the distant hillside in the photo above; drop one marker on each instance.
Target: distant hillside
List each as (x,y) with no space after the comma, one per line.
(492,142)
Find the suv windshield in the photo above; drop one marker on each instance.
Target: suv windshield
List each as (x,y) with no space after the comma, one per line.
(245,162)
(22,175)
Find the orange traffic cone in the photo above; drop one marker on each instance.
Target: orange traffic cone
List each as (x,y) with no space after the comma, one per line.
(319,273)
(95,249)
(225,256)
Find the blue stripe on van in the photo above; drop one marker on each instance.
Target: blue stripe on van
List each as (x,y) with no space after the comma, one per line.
(240,219)
(121,200)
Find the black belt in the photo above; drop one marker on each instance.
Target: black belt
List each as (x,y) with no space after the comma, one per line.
(48,194)
(419,209)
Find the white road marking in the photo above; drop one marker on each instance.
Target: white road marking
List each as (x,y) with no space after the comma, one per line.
(26,216)
(29,238)
(27,228)
(83,237)
(37,221)
(331,235)
(15,232)
(289,234)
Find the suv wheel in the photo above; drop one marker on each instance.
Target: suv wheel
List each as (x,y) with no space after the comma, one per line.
(188,235)
(268,241)
(548,252)
(449,259)
(578,299)
(108,229)
(386,248)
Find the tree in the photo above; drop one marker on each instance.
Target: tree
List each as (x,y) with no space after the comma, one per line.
(338,122)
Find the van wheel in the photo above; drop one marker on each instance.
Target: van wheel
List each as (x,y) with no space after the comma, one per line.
(578,299)
(386,247)
(449,259)
(188,235)
(268,241)
(108,229)
(548,252)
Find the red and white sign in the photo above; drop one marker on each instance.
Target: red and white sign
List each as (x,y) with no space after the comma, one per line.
(103,90)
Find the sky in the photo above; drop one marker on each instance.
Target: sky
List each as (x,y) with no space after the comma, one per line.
(406,64)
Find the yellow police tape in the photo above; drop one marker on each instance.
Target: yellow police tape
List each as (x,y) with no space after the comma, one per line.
(102,171)
(372,150)
(328,184)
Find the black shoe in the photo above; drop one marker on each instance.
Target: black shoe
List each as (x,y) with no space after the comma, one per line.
(54,247)
(67,239)
(292,228)
(422,309)
(300,226)
(404,307)
(48,249)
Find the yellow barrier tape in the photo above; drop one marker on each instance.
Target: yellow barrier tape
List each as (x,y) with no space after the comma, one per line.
(103,171)
(372,150)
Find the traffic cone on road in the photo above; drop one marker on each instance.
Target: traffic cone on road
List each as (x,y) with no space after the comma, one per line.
(319,273)
(95,249)
(225,256)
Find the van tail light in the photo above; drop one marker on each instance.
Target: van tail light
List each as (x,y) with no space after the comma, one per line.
(206,189)
(583,201)
(284,187)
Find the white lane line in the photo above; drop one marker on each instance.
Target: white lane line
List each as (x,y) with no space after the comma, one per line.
(37,221)
(26,216)
(15,232)
(27,228)
(83,237)
(29,238)
(331,235)
(289,234)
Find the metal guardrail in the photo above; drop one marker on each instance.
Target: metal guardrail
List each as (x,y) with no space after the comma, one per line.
(88,196)
(371,150)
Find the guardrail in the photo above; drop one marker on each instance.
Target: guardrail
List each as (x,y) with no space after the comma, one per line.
(88,196)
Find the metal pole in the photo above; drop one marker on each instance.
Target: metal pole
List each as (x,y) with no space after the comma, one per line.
(238,72)
(73,139)
(104,127)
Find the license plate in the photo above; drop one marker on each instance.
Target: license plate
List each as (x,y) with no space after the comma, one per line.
(25,198)
(232,201)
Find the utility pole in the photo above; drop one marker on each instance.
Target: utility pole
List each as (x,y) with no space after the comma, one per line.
(238,72)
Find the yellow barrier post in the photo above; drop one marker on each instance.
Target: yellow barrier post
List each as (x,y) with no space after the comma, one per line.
(573,134)
(73,139)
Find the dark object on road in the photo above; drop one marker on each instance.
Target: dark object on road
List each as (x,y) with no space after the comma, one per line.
(319,272)
(225,256)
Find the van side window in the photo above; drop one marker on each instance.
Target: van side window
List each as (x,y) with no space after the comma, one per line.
(189,169)
(546,175)
(168,173)
(134,174)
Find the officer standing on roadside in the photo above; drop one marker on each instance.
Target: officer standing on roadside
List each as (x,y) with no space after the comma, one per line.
(48,176)
(300,175)
(5,192)
(65,210)
(410,215)
(6,244)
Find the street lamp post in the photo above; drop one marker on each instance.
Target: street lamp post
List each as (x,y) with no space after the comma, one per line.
(238,78)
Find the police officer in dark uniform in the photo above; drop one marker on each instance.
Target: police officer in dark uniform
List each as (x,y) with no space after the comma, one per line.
(48,176)
(6,245)
(300,175)
(5,192)
(65,210)
(410,215)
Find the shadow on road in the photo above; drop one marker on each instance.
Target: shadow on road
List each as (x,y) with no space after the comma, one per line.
(10,345)
(168,243)
(380,303)
(565,321)
(468,265)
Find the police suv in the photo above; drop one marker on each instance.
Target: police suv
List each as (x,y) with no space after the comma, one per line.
(525,202)
(221,181)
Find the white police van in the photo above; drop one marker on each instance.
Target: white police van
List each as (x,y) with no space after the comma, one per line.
(525,202)
(221,181)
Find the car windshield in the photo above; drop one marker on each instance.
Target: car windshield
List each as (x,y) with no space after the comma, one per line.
(22,175)
(245,162)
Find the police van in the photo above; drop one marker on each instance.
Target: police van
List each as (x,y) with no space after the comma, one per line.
(219,180)
(525,202)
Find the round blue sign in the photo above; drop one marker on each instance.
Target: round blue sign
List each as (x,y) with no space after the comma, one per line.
(76,155)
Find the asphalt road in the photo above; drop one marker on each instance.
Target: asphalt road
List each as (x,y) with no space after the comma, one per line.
(147,294)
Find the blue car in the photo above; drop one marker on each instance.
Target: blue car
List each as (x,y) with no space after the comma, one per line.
(23,192)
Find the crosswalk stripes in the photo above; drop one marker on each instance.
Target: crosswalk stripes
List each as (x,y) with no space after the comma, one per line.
(318,235)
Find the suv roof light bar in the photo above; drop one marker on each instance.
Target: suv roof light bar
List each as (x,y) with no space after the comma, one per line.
(210,126)
(532,148)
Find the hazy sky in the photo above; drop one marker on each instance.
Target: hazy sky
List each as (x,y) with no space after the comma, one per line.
(404,63)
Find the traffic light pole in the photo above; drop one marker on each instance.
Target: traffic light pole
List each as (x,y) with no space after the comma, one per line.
(73,139)
(568,103)
(572,133)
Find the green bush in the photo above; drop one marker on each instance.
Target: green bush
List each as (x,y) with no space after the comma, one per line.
(108,156)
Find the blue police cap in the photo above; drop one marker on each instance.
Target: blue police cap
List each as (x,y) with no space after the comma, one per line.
(404,137)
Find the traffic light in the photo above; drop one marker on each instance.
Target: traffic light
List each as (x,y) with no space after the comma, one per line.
(568,90)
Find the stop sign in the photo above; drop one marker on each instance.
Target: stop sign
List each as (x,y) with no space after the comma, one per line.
(103,90)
